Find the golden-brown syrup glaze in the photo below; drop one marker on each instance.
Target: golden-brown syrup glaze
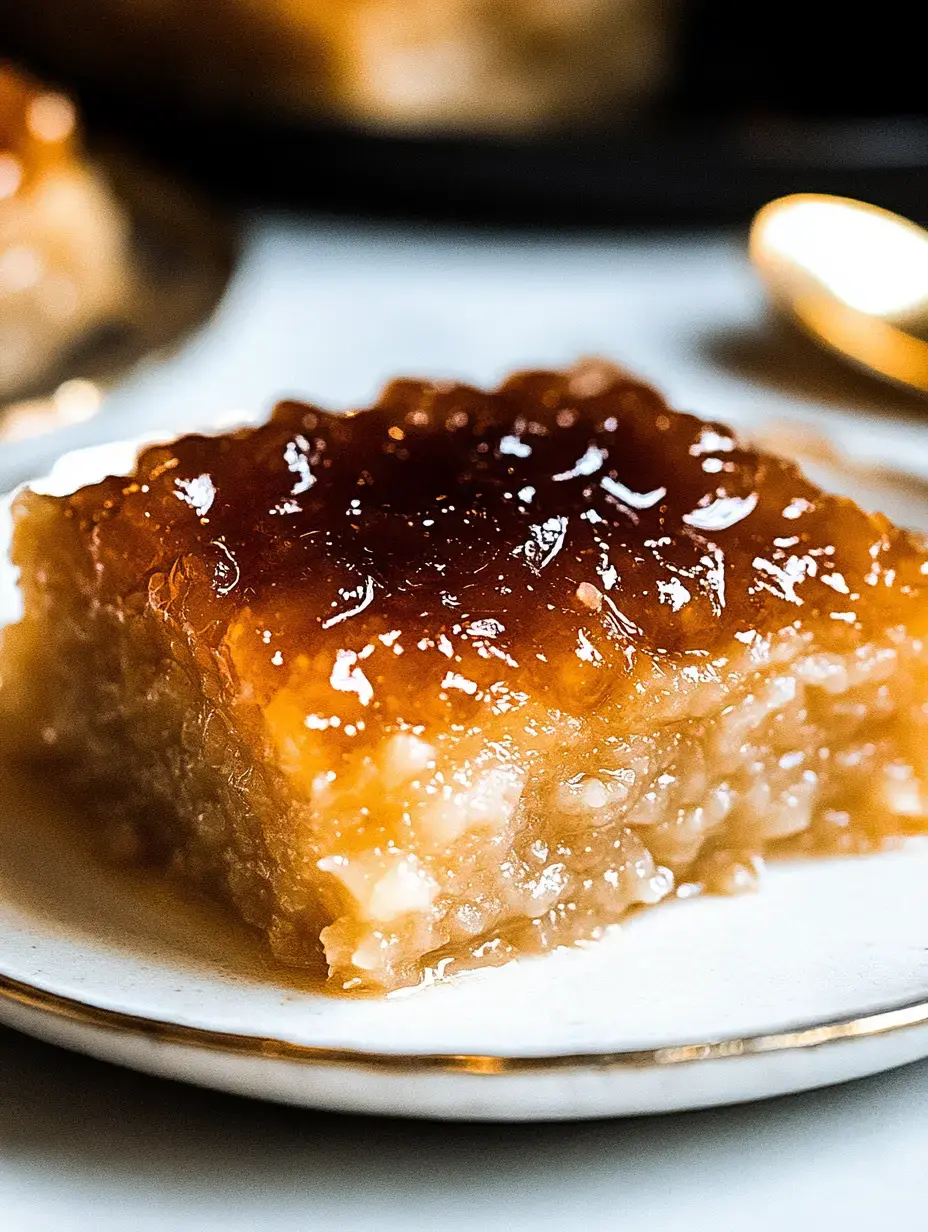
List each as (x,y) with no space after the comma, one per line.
(450,549)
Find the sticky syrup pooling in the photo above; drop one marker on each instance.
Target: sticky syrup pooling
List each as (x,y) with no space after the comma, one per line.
(522,659)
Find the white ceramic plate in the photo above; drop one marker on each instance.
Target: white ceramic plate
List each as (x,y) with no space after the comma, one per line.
(821,977)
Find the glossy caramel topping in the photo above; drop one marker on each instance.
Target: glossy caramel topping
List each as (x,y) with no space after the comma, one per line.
(450,549)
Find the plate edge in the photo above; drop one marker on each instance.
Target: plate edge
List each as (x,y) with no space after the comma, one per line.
(877,1022)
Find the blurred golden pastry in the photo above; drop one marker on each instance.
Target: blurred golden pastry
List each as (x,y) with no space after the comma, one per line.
(63,239)
(99,262)
(492,65)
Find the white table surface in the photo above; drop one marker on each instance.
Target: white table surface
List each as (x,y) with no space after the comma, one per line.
(330,311)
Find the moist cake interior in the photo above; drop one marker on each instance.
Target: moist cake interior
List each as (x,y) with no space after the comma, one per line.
(468,674)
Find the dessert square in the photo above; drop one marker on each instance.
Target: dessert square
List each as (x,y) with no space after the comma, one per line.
(468,675)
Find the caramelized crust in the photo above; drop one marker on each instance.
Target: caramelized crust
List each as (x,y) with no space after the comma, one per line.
(443,506)
(470,673)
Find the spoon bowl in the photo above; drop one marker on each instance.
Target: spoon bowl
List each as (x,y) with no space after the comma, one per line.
(853,276)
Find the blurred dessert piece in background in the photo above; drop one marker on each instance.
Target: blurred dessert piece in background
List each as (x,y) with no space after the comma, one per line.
(99,261)
(474,65)
(63,239)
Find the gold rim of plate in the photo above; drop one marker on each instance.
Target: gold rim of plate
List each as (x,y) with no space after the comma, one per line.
(877,1022)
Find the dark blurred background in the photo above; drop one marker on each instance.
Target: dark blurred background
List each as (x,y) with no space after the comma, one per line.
(508,110)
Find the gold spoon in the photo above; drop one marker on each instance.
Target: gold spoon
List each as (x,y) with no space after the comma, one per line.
(853,276)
